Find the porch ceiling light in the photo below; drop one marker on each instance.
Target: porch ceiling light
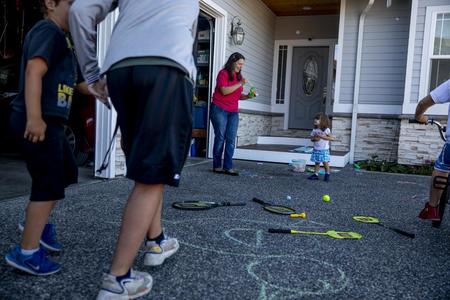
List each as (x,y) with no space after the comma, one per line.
(237,32)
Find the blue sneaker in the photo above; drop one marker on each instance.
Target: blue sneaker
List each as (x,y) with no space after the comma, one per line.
(48,238)
(35,264)
(313,177)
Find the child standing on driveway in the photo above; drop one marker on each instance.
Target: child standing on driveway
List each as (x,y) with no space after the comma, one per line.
(48,76)
(321,137)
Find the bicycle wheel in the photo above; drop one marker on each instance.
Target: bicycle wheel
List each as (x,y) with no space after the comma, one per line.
(442,204)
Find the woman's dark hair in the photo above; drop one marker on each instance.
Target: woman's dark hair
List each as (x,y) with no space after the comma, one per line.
(323,120)
(229,66)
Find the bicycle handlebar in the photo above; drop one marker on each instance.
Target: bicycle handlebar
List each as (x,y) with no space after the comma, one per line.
(440,127)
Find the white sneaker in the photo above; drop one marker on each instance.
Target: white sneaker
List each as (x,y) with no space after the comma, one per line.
(156,254)
(137,285)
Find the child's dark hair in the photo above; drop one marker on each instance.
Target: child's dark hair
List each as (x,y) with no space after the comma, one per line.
(229,66)
(44,7)
(324,122)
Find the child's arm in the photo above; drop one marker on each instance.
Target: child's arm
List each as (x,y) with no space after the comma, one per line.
(328,137)
(82,87)
(35,70)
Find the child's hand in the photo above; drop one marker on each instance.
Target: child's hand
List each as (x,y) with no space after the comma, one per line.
(35,130)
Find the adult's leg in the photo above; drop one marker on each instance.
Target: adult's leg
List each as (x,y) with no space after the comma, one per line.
(230,139)
(138,215)
(219,121)
(155,227)
(437,188)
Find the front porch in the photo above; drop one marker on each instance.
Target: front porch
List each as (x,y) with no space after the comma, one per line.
(285,150)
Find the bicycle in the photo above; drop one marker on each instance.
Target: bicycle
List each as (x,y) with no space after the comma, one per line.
(439,181)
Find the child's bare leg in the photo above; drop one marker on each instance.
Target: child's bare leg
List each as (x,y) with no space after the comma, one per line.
(138,215)
(317,168)
(156,227)
(36,216)
(326,165)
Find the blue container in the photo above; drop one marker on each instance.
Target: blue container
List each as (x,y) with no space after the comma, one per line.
(199,116)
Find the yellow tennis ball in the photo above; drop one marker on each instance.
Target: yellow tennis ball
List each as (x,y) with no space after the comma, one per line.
(326,198)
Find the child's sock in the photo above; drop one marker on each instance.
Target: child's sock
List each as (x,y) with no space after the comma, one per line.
(29,251)
(157,239)
(127,275)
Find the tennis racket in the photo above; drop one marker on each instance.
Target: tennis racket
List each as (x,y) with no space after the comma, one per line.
(373,220)
(203,205)
(276,209)
(330,233)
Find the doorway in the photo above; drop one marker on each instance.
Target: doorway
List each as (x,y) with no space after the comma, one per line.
(308,85)
(203,50)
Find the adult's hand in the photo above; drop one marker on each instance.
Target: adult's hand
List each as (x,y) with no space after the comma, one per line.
(100,91)
(422,119)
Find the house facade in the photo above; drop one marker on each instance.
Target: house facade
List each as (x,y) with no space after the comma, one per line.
(365,63)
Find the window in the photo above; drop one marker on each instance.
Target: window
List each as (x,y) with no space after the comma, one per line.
(281,74)
(437,47)
(440,59)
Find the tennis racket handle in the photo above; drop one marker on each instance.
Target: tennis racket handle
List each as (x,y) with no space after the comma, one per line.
(301,215)
(410,235)
(259,201)
(272,230)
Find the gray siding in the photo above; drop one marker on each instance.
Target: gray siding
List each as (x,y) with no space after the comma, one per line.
(418,45)
(315,27)
(258,22)
(385,50)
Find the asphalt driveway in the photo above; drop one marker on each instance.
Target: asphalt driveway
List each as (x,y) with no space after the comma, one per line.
(227,253)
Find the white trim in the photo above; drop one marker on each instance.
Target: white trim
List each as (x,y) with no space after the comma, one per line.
(105,119)
(356,90)
(281,140)
(220,45)
(337,88)
(284,108)
(369,109)
(250,105)
(410,59)
(428,45)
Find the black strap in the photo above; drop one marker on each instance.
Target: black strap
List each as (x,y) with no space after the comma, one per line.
(107,158)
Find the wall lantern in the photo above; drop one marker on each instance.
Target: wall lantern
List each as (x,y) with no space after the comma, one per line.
(237,32)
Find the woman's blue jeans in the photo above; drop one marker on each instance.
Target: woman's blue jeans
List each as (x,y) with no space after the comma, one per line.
(225,130)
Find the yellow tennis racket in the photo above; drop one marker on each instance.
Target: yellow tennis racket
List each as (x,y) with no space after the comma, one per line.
(373,220)
(330,233)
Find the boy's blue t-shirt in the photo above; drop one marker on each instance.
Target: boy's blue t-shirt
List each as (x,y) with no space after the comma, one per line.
(47,41)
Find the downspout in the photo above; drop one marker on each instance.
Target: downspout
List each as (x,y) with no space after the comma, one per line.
(362,19)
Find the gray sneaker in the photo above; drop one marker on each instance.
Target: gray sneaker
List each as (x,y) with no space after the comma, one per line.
(137,285)
(156,254)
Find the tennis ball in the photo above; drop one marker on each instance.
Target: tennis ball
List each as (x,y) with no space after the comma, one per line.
(326,198)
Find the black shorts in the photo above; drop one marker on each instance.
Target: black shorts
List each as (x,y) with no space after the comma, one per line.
(51,163)
(154,111)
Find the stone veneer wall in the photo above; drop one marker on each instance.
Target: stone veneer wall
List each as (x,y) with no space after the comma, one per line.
(419,144)
(251,126)
(375,136)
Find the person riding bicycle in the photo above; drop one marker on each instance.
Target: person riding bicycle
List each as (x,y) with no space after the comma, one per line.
(442,166)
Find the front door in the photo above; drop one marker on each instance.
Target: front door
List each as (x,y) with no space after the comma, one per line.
(308,85)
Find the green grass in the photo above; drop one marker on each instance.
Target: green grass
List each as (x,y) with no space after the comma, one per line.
(376,164)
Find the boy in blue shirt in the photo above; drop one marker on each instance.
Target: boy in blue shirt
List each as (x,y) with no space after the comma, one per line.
(47,80)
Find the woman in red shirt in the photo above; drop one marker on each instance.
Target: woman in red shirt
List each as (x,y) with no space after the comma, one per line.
(224,112)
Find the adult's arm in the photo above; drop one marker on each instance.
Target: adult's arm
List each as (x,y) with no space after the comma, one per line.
(422,107)
(83,19)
